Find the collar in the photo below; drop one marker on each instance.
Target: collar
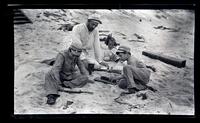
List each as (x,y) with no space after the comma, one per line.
(85,25)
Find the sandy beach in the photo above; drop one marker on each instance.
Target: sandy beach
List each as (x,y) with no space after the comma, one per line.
(40,40)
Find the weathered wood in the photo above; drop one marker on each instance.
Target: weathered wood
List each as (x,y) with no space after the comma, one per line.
(101,34)
(20,17)
(98,79)
(136,40)
(104,31)
(75,92)
(107,70)
(166,59)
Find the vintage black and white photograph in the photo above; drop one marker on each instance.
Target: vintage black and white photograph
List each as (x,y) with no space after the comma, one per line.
(104,61)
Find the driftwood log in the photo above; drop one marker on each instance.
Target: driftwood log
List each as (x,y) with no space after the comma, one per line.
(166,59)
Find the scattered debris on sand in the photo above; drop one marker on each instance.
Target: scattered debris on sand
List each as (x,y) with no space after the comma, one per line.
(166,28)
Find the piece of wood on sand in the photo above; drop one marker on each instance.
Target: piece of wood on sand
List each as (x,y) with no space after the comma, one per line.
(75,91)
(136,40)
(166,59)
(103,31)
(139,38)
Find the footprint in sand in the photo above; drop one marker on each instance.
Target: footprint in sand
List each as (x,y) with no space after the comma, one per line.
(24,93)
(161,86)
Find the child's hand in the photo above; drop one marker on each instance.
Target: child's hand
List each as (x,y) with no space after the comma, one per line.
(104,64)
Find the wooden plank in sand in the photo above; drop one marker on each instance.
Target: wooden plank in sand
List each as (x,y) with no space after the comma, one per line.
(166,59)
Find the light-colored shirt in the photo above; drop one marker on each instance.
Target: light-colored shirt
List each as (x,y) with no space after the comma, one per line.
(130,61)
(135,62)
(90,41)
(110,55)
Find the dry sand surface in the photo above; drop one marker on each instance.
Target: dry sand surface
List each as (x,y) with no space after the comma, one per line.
(41,40)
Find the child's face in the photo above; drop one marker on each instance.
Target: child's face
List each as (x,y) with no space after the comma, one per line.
(123,56)
(111,45)
(76,52)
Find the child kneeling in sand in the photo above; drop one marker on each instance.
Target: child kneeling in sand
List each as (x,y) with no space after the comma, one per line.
(110,54)
(135,74)
(63,72)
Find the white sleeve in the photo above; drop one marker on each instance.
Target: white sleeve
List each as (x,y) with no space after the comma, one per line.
(76,32)
(97,48)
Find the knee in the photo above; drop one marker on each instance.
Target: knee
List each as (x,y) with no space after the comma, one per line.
(122,84)
(83,78)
